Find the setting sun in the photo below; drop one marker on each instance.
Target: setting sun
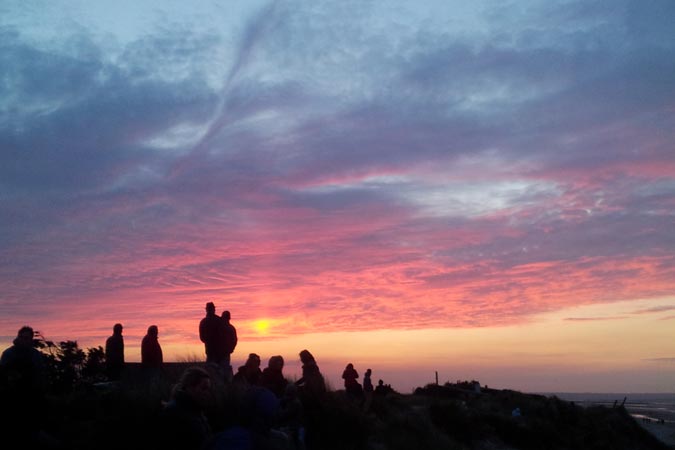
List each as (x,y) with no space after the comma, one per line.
(261,326)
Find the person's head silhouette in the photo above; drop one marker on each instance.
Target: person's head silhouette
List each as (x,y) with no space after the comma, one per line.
(253,360)
(306,357)
(276,362)
(195,382)
(24,337)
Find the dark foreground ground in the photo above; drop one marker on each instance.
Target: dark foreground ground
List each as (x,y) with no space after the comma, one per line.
(126,416)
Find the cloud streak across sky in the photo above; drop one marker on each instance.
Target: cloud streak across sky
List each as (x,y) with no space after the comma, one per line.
(337,167)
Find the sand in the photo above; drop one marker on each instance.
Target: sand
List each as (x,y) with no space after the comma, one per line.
(664,432)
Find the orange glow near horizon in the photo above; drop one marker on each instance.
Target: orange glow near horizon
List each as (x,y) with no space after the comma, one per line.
(566,350)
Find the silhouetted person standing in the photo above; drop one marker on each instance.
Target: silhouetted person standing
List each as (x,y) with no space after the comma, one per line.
(312,392)
(114,353)
(367,389)
(212,334)
(367,382)
(311,382)
(151,353)
(230,344)
(23,391)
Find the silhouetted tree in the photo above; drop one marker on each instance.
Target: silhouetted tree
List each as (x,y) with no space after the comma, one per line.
(94,365)
(66,362)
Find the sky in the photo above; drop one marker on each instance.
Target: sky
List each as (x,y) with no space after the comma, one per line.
(483,190)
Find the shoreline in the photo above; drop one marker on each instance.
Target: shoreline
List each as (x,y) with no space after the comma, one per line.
(641,406)
(664,432)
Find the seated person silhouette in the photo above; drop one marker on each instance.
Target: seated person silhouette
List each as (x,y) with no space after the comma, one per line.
(250,372)
(272,376)
(350,375)
(183,421)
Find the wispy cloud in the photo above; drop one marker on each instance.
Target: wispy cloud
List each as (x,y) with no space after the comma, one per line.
(592,319)
(661,360)
(655,309)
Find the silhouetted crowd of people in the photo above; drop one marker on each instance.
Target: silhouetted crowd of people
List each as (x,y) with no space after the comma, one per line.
(272,409)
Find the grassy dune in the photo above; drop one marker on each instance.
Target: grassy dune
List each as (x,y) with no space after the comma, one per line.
(125,415)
